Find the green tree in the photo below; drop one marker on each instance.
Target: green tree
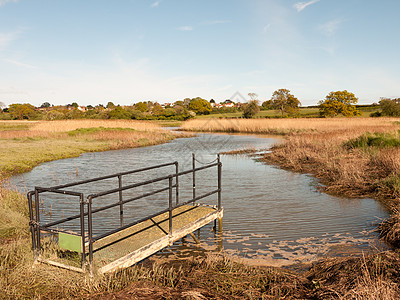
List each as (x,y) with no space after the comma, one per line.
(285,102)
(22,111)
(119,113)
(389,107)
(54,115)
(250,109)
(157,110)
(2,105)
(141,106)
(267,105)
(339,102)
(200,106)
(74,114)
(75,105)
(45,105)
(110,105)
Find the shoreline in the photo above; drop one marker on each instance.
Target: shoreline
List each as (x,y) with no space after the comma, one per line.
(344,277)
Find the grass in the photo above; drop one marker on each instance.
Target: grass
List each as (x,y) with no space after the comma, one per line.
(21,150)
(319,146)
(15,125)
(290,126)
(379,140)
(304,112)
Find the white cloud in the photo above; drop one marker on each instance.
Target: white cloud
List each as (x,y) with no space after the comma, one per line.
(299,6)
(20,64)
(3,2)
(185,28)
(329,28)
(7,38)
(155,4)
(266,27)
(217,22)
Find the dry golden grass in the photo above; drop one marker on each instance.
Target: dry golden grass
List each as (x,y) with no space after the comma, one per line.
(285,126)
(22,148)
(69,125)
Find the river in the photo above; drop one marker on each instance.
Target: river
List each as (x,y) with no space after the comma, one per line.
(271,216)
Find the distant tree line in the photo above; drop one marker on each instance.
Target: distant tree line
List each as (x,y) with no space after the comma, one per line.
(338,103)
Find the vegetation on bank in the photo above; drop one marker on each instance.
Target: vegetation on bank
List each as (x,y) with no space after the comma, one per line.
(282,104)
(340,150)
(27,144)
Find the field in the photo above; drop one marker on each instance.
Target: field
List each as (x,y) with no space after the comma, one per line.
(354,157)
(304,112)
(26,144)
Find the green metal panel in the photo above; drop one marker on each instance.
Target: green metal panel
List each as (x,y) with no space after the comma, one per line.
(70,242)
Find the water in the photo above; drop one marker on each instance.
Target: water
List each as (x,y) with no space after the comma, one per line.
(271,215)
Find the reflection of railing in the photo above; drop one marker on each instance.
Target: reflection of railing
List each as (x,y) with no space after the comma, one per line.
(83,240)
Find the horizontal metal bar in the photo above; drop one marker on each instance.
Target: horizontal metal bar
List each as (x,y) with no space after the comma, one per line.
(92,196)
(57,231)
(129,200)
(150,181)
(197,198)
(196,169)
(103,208)
(57,191)
(151,216)
(113,175)
(96,238)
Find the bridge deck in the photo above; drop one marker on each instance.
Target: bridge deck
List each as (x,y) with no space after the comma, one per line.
(134,244)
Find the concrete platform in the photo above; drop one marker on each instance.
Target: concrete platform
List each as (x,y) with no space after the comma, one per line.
(127,247)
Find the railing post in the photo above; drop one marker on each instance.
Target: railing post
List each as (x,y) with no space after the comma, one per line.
(37,223)
(121,206)
(170,206)
(194,176)
(90,227)
(82,220)
(219,181)
(177,182)
(32,224)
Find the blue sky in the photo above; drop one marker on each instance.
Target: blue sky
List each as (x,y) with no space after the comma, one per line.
(95,51)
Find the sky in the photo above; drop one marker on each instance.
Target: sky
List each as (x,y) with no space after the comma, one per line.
(126,51)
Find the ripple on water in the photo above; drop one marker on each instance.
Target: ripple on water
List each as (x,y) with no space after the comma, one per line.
(271,216)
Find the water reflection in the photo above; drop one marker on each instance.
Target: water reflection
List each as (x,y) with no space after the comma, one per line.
(270,215)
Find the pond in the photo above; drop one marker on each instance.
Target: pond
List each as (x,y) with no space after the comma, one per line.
(271,216)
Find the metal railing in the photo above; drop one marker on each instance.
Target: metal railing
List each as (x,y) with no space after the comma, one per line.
(87,238)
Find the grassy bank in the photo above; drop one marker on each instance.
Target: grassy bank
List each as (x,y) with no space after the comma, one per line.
(211,277)
(304,112)
(339,148)
(24,145)
(353,157)
(292,126)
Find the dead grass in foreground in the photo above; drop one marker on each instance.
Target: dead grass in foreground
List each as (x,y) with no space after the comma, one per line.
(212,277)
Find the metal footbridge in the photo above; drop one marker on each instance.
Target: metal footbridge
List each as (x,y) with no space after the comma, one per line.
(80,249)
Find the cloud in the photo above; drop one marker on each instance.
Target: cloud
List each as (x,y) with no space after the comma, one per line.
(4,2)
(185,28)
(7,38)
(266,27)
(217,22)
(299,6)
(155,4)
(329,28)
(20,64)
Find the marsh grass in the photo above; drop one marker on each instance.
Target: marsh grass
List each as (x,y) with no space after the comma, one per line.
(290,126)
(21,150)
(13,214)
